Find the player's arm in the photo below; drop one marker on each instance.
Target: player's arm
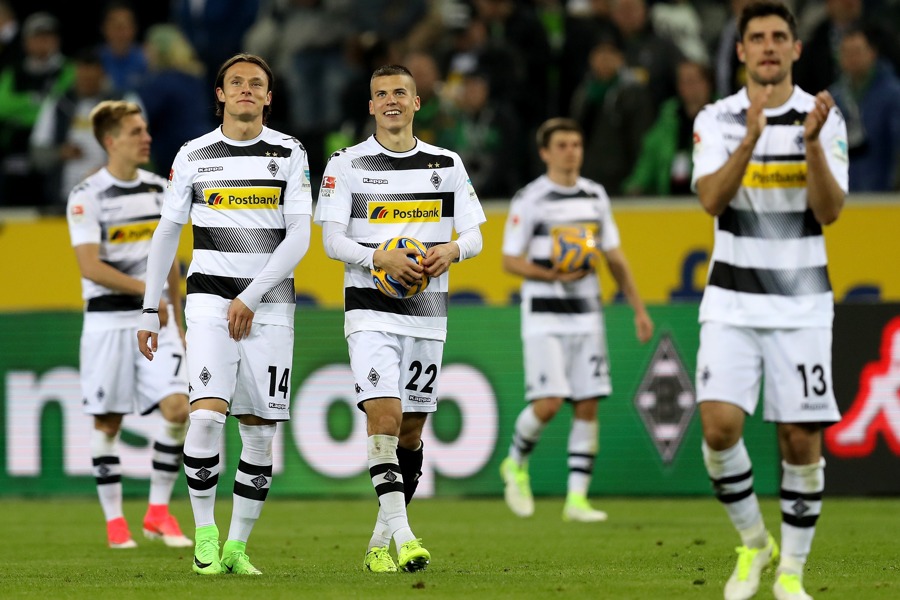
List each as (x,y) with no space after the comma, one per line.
(175,298)
(621,272)
(717,189)
(394,262)
(101,273)
(282,262)
(160,261)
(823,193)
(467,244)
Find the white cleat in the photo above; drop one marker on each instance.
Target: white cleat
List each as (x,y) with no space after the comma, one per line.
(578,509)
(517,490)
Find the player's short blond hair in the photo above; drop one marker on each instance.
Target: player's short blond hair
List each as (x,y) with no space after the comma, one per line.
(106,117)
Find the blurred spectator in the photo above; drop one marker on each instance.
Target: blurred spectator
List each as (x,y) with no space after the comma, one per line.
(581,30)
(10,35)
(216,29)
(431,118)
(868,94)
(614,110)
(818,66)
(179,106)
(42,72)
(62,146)
(679,21)
(389,20)
(651,57)
(365,53)
(484,132)
(730,72)
(664,166)
(123,58)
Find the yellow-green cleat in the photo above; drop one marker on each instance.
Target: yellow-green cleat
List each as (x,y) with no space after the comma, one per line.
(412,556)
(789,586)
(744,581)
(578,509)
(206,551)
(379,560)
(517,487)
(235,559)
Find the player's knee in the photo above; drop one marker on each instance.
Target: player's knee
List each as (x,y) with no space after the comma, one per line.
(175,408)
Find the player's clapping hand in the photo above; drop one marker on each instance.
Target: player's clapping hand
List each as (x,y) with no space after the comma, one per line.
(240,318)
(815,119)
(756,118)
(438,258)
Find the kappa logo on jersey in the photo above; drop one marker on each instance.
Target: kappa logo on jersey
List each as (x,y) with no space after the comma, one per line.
(375,181)
(416,211)
(134,232)
(210,169)
(243,198)
(775,175)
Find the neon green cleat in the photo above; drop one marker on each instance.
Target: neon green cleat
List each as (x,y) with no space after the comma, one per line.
(378,560)
(517,490)
(744,581)
(412,556)
(235,559)
(578,509)
(206,551)
(789,586)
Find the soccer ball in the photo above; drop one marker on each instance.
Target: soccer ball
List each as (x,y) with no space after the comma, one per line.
(574,249)
(389,286)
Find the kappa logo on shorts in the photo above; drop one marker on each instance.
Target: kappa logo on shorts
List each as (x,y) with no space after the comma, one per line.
(418,399)
(373,377)
(205,376)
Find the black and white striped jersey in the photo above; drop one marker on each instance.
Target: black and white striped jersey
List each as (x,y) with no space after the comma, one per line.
(236,194)
(769,267)
(536,211)
(424,193)
(121,217)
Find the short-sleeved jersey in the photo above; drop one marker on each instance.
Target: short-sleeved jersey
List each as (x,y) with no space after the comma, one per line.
(424,193)
(119,216)
(236,194)
(769,267)
(536,211)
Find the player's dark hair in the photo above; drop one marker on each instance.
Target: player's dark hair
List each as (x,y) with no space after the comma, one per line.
(767,8)
(247,58)
(388,70)
(550,126)
(106,117)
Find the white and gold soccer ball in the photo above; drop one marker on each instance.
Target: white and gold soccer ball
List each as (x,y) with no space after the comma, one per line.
(389,286)
(574,249)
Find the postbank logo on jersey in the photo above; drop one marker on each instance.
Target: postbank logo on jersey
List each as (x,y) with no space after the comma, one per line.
(412,211)
(775,175)
(133,232)
(243,198)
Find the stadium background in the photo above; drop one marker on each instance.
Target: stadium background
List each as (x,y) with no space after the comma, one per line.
(649,436)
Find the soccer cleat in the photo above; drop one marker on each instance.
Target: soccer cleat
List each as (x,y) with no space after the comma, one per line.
(578,509)
(517,490)
(235,559)
(118,535)
(378,560)
(789,586)
(160,524)
(744,581)
(412,556)
(206,551)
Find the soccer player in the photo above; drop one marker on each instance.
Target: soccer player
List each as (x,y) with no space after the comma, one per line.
(563,334)
(111,217)
(770,163)
(246,189)
(394,184)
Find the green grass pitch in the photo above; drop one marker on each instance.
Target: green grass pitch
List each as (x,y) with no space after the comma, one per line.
(649,549)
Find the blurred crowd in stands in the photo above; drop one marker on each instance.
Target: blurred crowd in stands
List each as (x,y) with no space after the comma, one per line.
(633,73)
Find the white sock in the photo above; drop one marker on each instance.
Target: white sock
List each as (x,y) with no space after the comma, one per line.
(252,479)
(526,435)
(201,463)
(582,451)
(381,534)
(168,450)
(732,477)
(801,504)
(387,480)
(107,471)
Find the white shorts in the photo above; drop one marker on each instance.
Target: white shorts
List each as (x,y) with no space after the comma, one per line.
(574,367)
(795,363)
(388,365)
(116,378)
(253,375)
